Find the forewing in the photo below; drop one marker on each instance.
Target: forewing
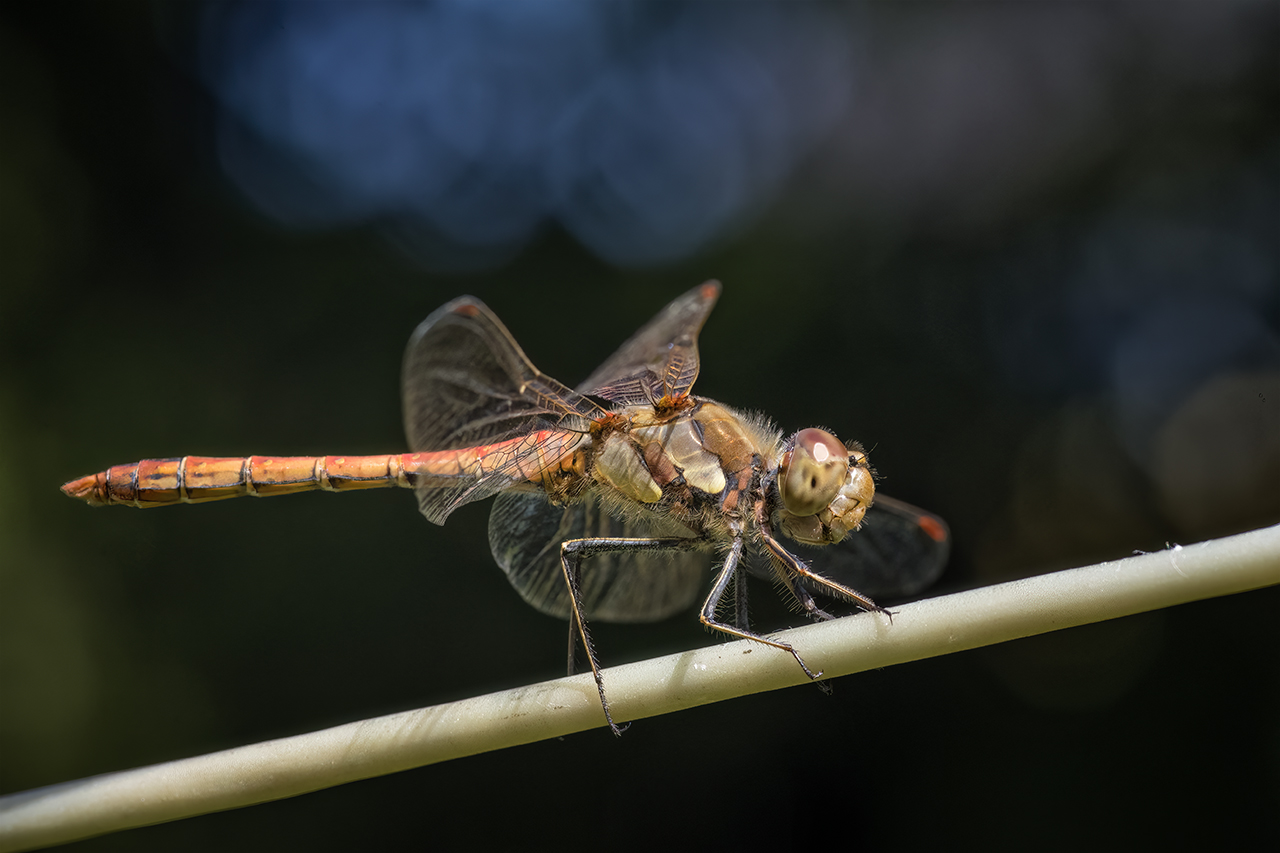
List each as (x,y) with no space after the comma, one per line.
(466,383)
(525,532)
(899,551)
(662,358)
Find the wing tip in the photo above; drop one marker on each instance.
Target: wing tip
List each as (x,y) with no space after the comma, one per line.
(934,528)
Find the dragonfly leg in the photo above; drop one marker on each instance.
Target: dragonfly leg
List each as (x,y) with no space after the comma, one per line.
(811,608)
(573,646)
(788,577)
(792,569)
(741,617)
(806,601)
(712,604)
(572,552)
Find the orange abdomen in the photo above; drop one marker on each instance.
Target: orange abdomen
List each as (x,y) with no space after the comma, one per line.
(198,479)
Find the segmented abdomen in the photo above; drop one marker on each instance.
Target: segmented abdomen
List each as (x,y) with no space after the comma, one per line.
(198,479)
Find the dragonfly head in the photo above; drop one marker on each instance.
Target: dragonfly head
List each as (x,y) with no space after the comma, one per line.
(825,488)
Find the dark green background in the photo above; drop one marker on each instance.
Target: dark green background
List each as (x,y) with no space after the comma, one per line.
(146,311)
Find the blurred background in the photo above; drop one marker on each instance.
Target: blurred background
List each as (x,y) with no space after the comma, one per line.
(1026,253)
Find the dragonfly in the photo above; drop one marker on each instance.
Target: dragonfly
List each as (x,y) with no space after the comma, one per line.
(611,498)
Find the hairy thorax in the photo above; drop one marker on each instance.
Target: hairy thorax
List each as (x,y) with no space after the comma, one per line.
(696,459)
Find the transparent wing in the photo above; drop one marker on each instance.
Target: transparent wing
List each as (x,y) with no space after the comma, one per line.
(899,551)
(662,358)
(467,384)
(525,532)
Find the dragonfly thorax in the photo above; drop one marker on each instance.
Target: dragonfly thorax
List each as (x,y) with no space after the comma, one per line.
(696,464)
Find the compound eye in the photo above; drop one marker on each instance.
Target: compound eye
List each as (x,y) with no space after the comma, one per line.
(812,472)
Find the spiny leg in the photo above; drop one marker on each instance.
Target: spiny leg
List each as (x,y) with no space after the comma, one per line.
(790,569)
(573,646)
(572,552)
(712,604)
(569,563)
(741,617)
(806,601)
(786,576)
(793,565)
